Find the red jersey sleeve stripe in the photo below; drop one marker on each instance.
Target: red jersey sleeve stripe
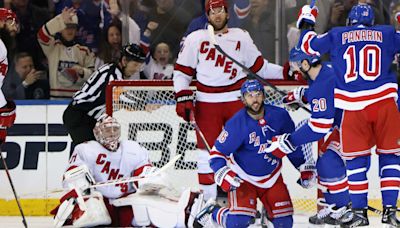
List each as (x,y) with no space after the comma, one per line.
(185,69)
(258,64)
(42,35)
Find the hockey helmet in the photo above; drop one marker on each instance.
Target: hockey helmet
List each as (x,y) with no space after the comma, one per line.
(210,4)
(297,56)
(251,85)
(7,14)
(133,52)
(361,14)
(107,132)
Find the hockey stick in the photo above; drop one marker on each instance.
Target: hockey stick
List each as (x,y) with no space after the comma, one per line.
(133,179)
(13,189)
(210,29)
(203,138)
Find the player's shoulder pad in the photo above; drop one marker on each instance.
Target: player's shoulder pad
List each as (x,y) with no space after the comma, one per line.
(197,35)
(237,118)
(274,109)
(131,147)
(239,32)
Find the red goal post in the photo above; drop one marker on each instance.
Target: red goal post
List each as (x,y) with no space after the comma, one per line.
(146,112)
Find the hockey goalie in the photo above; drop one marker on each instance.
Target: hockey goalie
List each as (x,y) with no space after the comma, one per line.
(145,202)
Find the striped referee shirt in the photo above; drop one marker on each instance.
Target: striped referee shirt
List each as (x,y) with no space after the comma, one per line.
(91,98)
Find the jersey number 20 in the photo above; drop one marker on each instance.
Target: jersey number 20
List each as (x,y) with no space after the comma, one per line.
(369,63)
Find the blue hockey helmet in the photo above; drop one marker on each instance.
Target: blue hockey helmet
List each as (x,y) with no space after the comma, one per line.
(297,56)
(361,14)
(251,85)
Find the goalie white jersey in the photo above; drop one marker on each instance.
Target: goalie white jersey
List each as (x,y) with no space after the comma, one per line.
(218,78)
(128,160)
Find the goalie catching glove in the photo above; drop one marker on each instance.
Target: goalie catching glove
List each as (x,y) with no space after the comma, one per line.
(184,104)
(307,15)
(280,146)
(295,98)
(227,179)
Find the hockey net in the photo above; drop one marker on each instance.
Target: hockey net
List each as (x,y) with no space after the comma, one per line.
(146,112)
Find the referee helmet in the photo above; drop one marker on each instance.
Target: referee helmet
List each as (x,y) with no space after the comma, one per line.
(133,52)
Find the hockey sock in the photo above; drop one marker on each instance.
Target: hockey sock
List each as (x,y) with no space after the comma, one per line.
(357,169)
(286,221)
(332,176)
(219,215)
(389,167)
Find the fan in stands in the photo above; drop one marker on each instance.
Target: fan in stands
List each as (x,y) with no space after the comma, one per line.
(145,203)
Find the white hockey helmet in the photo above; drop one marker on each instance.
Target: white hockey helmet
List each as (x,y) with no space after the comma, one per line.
(107,132)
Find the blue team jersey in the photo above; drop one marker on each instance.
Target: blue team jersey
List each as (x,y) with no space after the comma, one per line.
(361,57)
(243,141)
(321,98)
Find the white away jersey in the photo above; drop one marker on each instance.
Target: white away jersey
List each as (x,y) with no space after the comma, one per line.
(219,79)
(106,165)
(3,70)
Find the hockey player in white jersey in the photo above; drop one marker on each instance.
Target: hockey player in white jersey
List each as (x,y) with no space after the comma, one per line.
(218,80)
(123,204)
(9,26)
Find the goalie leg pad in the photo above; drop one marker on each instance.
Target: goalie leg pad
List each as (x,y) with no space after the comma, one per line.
(64,211)
(157,210)
(95,214)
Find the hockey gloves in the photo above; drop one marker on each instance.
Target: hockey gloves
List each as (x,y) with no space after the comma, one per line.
(227,179)
(184,104)
(308,175)
(307,16)
(280,146)
(295,98)
(7,118)
(289,74)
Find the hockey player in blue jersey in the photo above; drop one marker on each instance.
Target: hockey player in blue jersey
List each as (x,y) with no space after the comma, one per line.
(330,166)
(244,171)
(366,90)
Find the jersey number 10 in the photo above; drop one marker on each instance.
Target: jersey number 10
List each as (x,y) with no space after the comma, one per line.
(369,63)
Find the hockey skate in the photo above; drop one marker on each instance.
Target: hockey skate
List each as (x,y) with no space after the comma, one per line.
(338,216)
(360,218)
(203,218)
(389,217)
(318,219)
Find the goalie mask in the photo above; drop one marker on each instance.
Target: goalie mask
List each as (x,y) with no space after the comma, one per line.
(107,132)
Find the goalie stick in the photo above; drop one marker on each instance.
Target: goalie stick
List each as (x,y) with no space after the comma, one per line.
(13,189)
(210,29)
(120,180)
(133,179)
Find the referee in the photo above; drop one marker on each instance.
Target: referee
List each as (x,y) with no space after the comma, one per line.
(88,103)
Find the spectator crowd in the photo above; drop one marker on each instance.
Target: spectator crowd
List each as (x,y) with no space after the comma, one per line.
(61,42)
